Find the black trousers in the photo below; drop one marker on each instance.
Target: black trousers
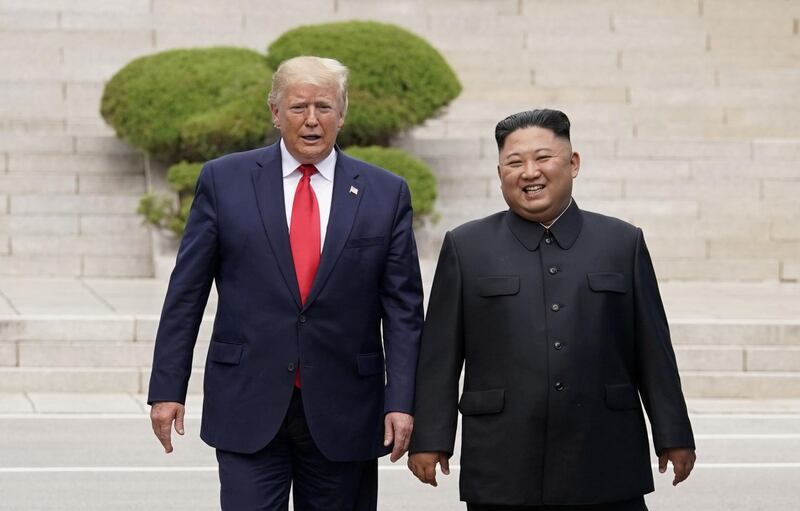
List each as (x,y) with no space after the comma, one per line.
(636,504)
(261,481)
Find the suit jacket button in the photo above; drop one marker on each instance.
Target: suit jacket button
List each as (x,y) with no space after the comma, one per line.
(548,240)
(555,307)
(559,386)
(290,367)
(302,319)
(553,270)
(557,345)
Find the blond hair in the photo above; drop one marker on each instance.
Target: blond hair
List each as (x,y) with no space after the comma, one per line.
(319,71)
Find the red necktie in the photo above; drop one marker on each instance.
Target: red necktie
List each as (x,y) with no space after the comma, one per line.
(304,237)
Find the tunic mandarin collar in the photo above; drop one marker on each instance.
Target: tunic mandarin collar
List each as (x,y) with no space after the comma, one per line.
(565,231)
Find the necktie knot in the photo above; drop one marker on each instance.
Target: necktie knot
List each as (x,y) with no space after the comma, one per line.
(308,170)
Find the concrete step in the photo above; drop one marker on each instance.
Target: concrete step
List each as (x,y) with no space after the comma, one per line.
(746,336)
(741,385)
(59,204)
(76,266)
(75,163)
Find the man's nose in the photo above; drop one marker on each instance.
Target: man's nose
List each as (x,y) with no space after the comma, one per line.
(531,170)
(311,118)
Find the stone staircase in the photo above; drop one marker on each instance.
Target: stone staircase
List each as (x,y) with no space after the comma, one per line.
(685,112)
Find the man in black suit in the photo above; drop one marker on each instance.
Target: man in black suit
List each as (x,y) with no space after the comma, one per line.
(556,315)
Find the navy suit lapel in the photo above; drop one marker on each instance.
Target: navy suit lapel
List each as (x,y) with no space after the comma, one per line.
(268,184)
(347,193)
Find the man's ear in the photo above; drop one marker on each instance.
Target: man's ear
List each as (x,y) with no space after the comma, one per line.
(575,164)
(275,117)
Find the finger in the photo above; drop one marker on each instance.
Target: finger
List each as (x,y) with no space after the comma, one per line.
(430,475)
(165,437)
(402,439)
(682,471)
(662,463)
(397,453)
(418,470)
(179,420)
(444,462)
(388,434)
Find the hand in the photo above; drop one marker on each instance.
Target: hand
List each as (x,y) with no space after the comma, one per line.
(162,414)
(423,465)
(397,428)
(682,459)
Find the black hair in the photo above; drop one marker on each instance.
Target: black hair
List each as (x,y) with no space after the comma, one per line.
(553,120)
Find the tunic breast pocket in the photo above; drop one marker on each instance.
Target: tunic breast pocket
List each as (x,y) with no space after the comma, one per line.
(612,282)
(498,286)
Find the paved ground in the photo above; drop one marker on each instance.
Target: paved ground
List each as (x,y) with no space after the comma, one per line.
(90,452)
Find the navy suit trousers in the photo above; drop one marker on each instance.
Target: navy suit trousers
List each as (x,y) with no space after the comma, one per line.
(261,481)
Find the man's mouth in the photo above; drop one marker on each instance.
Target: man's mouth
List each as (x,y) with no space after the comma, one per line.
(311,138)
(532,188)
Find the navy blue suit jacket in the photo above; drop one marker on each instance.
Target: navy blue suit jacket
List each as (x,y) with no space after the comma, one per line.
(368,278)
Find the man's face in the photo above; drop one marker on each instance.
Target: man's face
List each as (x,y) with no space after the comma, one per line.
(536,170)
(308,117)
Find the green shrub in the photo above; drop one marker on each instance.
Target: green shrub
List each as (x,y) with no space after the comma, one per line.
(191,104)
(397,80)
(419,176)
(165,211)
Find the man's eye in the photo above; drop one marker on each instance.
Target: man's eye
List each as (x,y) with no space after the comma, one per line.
(324,108)
(297,108)
(514,163)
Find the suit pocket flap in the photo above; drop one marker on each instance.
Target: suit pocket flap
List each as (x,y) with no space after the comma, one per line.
(498,286)
(607,281)
(479,402)
(225,352)
(369,363)
(364,242)
(622,397)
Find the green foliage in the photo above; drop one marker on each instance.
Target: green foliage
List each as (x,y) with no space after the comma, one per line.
(419,176)
(192,104)
(397,80)
(165,211)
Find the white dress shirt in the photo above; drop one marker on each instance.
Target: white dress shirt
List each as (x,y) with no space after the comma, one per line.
(321,182)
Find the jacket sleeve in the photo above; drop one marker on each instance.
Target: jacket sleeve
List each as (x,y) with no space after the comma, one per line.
(659,382)
(187,294)
(441,359)
(401,309)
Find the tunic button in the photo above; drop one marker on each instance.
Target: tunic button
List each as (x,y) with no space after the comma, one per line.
(302,319)
(290,367)
(553,270)
(557,345)
(555,307)
(548,240)
(559,386)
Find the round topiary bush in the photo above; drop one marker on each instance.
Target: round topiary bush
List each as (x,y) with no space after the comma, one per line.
(419,176)
(191,104)
(397,79)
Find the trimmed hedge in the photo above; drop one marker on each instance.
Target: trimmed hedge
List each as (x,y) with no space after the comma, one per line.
(162,210)
(191,104)
(397,80)
(421,180)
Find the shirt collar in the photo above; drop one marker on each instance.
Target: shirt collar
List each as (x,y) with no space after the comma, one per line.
(326,167)
(565,231)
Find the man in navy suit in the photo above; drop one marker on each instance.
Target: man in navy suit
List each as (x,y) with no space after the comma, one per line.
(311,366)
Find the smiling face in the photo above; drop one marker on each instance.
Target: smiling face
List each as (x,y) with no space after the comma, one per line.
(536,170)
(309,118)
